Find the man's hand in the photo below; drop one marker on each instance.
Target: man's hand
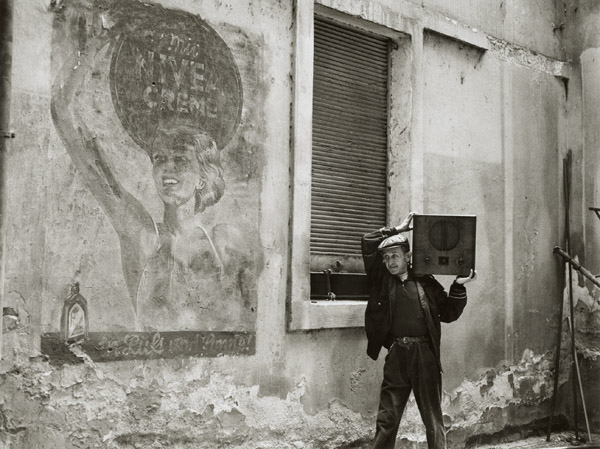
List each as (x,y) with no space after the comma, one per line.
(463,280)
(405,225)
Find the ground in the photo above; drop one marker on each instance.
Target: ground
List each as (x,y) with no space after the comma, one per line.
(563,440)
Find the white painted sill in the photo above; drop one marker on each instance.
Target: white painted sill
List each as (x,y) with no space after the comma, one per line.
(322,314)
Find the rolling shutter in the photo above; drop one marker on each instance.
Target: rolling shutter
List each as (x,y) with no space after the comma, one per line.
(349,141)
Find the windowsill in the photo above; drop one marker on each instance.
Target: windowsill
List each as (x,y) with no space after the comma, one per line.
(310,315)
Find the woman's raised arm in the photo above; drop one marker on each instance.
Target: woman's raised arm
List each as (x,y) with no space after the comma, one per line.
(126,213)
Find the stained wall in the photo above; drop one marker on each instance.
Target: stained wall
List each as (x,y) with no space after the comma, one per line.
(582,40)
(487,130)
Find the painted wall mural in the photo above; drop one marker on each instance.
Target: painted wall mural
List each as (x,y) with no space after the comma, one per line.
(149,105)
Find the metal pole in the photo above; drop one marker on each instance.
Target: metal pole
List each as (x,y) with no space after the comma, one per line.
(560,314)
(567,181)
(6,19)
(577,266)
(573,353)
(6,40)
(585,415)
(557,356)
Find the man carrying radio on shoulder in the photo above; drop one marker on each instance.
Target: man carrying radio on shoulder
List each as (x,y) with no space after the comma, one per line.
(403,314)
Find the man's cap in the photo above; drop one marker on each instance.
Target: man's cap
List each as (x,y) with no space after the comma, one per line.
(394,241)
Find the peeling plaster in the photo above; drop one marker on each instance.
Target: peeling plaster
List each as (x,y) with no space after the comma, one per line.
(105,412)
(203,404)
(152,405)
(524,57)
(126,412)
(484,406)
(581,294)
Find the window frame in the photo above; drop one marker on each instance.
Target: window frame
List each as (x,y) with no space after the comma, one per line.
(405,158)
(304,314)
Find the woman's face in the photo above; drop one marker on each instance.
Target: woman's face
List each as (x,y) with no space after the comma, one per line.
(176,173)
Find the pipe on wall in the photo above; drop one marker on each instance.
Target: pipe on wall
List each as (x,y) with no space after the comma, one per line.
(6,40)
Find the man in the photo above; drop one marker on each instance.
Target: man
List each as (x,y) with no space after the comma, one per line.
(403,315)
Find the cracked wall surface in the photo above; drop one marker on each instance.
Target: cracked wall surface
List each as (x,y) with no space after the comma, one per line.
(586,299)
(486,131)
(185,405)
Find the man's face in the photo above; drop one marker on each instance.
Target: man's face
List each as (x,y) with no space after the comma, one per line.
(396,260)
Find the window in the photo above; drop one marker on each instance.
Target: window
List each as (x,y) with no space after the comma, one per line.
(353,66)
(349,154)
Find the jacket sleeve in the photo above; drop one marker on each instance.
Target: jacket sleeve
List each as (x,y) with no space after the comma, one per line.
(377,310)
(450,305)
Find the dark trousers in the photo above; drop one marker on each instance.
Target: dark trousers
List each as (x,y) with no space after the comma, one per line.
(407,367)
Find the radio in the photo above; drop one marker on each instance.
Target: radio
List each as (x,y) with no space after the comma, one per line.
(443,244)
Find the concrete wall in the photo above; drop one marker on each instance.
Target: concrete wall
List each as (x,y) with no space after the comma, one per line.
(536,25)
(488,127)
(582,49)
(486,150)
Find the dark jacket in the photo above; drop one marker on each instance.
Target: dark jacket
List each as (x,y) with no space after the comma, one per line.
(438,306)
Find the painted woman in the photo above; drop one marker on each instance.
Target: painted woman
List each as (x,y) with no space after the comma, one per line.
(181,273)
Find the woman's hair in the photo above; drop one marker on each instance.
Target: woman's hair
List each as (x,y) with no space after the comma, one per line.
(208,156)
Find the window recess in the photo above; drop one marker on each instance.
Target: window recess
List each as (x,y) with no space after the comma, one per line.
(349,154)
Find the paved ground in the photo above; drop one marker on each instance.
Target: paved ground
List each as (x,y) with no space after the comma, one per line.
(563,440)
